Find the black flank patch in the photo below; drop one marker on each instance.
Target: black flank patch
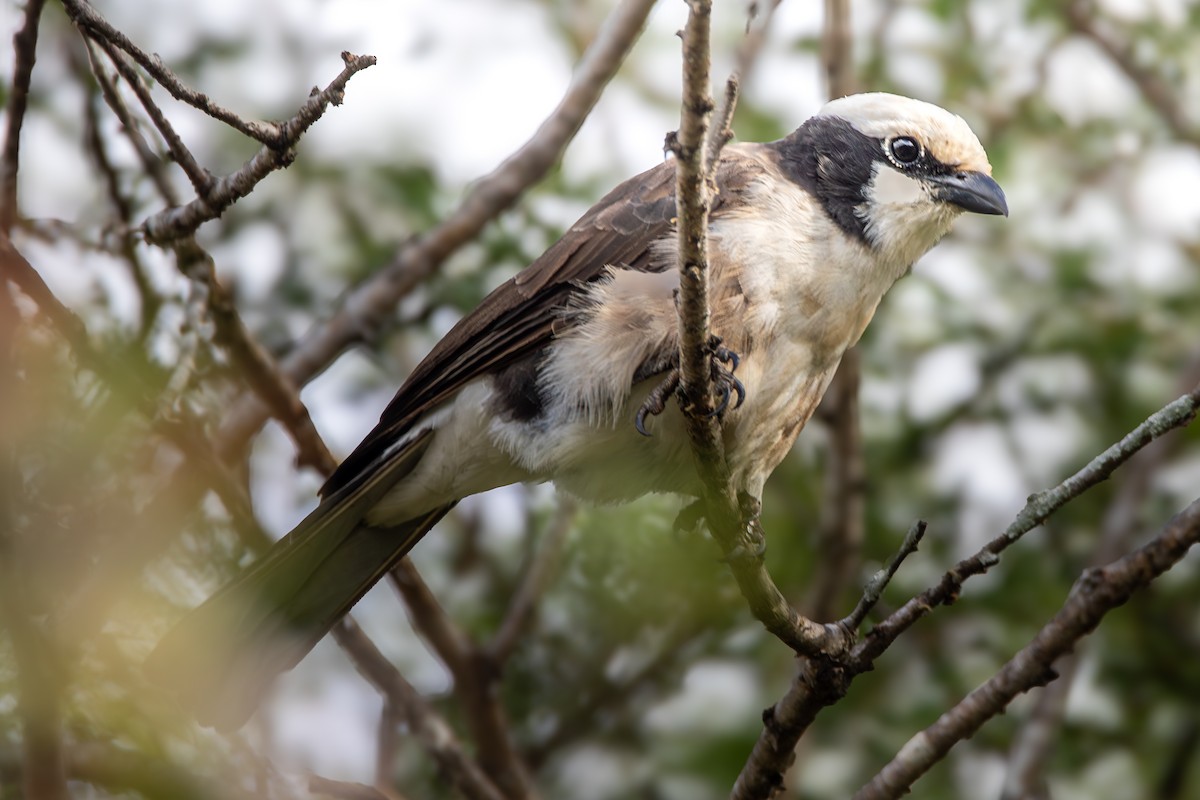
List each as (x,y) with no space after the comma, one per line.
(517,390)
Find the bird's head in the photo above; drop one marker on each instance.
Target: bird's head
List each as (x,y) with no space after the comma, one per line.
(894,172)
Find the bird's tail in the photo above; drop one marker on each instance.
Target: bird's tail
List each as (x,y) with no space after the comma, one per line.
(222,656)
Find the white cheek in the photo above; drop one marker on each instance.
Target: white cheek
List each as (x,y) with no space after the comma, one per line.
(891,187)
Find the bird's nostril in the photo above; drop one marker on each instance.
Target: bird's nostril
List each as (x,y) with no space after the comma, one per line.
(962,176)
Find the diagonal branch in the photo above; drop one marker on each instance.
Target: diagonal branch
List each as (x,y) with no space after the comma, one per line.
(1081,16)
(823,682)
(95,27)
(1097,592)
(176,223)
(430,729)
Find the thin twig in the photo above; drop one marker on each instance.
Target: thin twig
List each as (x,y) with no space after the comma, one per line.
(24,55)
(430,729)
(200,177)
(1097,592)
(533,586)
(475,676)
(743,69)
(880,580)
(823,681)
(255,365)
(153,165)
(1081,16)
(149,299)
(85,16)
(175,223)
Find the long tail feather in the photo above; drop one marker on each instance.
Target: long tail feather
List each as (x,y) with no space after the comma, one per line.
(222,656)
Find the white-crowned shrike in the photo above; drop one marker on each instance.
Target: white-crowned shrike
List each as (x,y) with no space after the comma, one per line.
(554,376)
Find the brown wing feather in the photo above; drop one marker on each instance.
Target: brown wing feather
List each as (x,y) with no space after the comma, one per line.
(521,315)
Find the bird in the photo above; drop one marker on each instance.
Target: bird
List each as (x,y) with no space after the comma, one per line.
(563,373)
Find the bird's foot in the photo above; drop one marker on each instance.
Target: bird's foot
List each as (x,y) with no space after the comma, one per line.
(688,519)
(722,377)
(656,402)
(753,543)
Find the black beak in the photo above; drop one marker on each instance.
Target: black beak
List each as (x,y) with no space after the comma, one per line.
(971,191)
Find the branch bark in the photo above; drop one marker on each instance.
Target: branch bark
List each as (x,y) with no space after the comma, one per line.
(1097,592)
(823,681)
(24,54)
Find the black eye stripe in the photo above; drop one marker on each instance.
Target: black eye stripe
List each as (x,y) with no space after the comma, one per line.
(904,151)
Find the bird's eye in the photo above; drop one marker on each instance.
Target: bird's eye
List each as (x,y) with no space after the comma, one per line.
(905,150)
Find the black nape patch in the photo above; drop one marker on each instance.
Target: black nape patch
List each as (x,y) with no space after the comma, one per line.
(517,391)
(833,161)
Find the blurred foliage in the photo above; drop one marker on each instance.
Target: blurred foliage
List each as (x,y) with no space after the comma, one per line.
(1012,355)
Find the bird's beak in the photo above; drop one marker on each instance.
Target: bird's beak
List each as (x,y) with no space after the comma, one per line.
(971,191)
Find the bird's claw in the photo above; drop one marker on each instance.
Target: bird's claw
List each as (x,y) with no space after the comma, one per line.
(753,544)
(656,402)
(722,377)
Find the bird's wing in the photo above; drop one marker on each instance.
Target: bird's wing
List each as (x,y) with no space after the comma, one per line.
(524,313)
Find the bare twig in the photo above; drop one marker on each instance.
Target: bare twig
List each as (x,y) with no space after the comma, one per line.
(200,178)
(255,365)
(25,53)
(123,206)
(537,578)
(1034,742)
(97,28)
(430,619)
(880,580)
(153,165)
(823,681)
(474,676)
(175,223)
(743,70)
(430,729)
(1097,592)
(371,305)
(1081,16)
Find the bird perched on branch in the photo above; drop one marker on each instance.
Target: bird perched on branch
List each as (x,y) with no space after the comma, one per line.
(563,373)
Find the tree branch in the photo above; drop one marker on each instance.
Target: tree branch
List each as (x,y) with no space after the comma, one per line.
(430,729)
(1034,742)
(24,55)
(1081,16)
(1038,508)
(824,681)
(474,676)
(95,27)
(1097,592)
